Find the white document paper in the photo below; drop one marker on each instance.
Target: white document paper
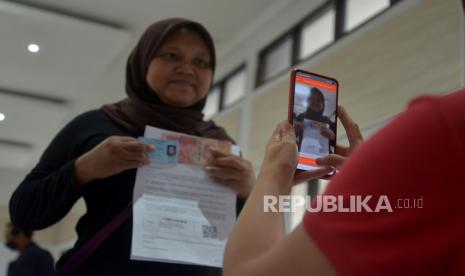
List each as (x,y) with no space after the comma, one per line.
(179,215)
(314,143)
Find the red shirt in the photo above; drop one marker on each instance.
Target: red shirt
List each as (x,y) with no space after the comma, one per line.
(419,155)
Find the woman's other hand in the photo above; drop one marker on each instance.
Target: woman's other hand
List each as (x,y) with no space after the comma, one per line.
(326,132)
(342,152)
(112,156)
(231,171)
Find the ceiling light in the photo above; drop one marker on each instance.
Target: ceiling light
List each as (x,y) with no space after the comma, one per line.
(2,116)
(33,48)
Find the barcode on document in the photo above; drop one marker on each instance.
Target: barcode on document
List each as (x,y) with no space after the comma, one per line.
(209,231)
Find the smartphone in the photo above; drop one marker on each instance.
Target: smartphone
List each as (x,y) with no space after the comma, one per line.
(313,100)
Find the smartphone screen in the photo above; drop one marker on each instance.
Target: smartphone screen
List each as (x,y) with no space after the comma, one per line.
(313,113)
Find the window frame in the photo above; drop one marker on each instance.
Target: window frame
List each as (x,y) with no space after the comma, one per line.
(260,76)
(221,85)
(295,31)
(344,7)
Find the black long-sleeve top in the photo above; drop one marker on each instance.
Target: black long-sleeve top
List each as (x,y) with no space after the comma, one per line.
(49,191)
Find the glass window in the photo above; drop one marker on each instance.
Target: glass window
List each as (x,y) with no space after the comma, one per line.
(277,59)
(317,33)
(213,103)
(234,88)
(359,11)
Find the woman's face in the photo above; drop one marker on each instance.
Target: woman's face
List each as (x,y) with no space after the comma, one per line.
(315,102)
(180,72)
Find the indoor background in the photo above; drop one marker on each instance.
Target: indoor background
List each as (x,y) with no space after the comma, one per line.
(59,58)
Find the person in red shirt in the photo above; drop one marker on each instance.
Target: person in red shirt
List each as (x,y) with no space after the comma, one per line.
(418,157)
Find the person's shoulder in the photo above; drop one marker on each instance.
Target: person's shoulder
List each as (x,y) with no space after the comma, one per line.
(36,251)
(83,124)
(449,109)
(89,120)
(91,115)
(452,103)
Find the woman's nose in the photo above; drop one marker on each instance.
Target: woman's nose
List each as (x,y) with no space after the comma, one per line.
(185,68)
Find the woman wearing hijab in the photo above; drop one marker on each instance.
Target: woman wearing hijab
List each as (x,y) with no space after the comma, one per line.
(96,155)
(314,112)
(315,107)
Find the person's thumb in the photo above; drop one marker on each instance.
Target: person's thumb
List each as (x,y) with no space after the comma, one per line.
(287,132)
(332,160)
(284,132)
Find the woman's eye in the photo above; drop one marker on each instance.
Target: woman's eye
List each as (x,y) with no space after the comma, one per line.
(169,56)
(201,63)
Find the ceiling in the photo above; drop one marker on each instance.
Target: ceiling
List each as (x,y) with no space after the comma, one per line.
(80,65)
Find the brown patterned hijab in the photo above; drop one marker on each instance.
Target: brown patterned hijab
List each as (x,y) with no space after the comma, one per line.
(142,106)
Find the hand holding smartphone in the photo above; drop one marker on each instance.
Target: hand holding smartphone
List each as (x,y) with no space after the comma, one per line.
(313,100)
